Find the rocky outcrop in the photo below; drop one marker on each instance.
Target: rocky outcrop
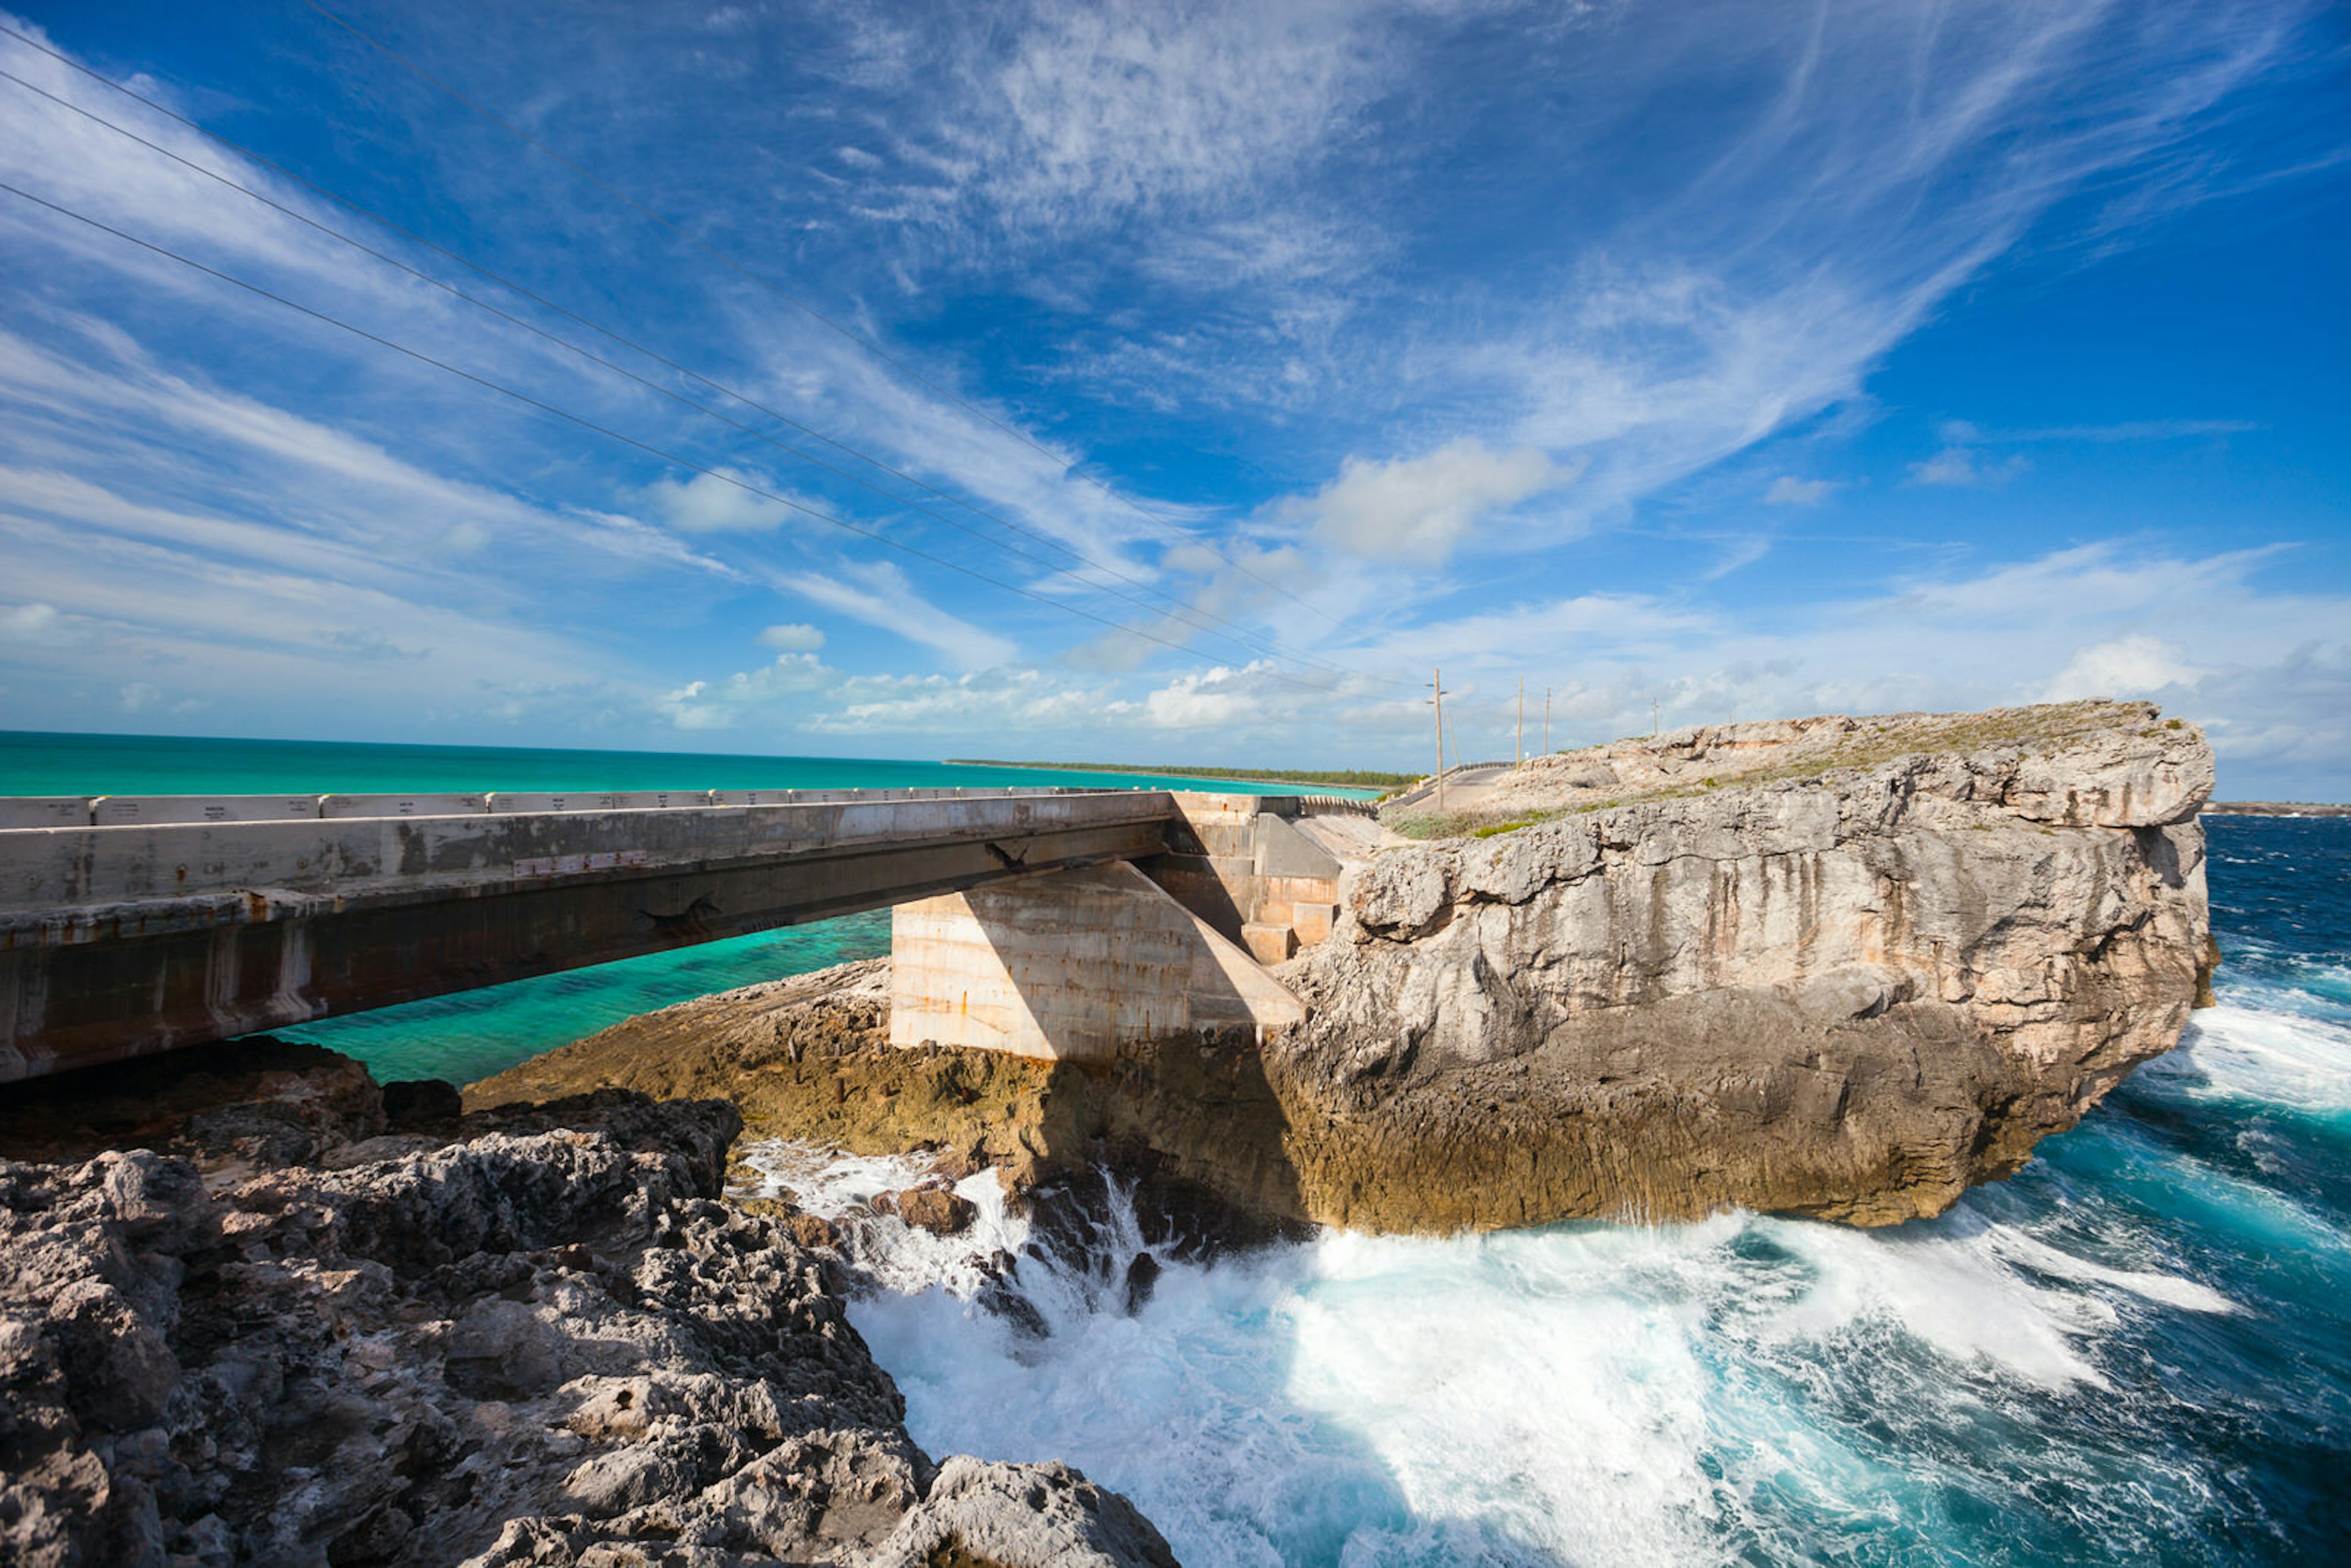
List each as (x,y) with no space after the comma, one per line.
(1833,967)
(1860,966)
(536,1338)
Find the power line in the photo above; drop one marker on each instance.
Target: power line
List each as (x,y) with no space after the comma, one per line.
(606,431)
(1264,647)
(812,311)
(1180,610)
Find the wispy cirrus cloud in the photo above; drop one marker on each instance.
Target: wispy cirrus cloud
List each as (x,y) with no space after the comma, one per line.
(1377,317)
(879,594)
(1787,490)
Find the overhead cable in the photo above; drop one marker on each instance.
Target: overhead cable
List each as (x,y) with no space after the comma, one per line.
(859,339)
(646,446)
(1177,607)
(1253,645)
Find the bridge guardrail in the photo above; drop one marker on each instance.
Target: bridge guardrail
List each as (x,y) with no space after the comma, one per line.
(28,811)
(61,874)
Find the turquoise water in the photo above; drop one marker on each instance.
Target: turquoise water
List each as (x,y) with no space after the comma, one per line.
(476,1033)
(473,1034)
(2137,1351)
(35,763)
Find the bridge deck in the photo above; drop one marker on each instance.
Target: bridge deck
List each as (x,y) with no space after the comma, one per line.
(136,925)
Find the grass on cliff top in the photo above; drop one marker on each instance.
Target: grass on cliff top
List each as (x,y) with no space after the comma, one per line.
(2043,729)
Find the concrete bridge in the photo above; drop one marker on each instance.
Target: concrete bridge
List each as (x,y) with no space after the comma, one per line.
(130,924)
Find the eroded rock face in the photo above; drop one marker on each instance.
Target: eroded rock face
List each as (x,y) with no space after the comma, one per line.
(1849,994)
(543,1342)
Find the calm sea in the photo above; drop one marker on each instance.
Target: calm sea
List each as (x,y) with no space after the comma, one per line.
(477,1033)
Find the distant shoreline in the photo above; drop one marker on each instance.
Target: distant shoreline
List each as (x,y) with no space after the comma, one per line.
(1344,778)
(2273,809)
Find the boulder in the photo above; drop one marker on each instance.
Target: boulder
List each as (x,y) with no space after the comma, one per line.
(940,1211)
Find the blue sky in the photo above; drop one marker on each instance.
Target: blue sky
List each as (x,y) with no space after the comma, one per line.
(1190,379)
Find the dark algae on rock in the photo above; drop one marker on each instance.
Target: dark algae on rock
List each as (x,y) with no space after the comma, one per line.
(283,1334)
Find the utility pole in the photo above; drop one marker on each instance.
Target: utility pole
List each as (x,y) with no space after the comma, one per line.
(1521,757)
(1437,687)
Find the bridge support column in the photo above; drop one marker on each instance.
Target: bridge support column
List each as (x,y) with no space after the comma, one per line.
(1070,965)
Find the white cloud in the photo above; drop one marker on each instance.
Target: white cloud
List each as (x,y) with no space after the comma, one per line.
(716,502)
(1095,110)
(30,623)
(1787,490)
(887,600)
(981,706)
(2136,666)
(1964,467)
(2127,430)
(793,638)
(720,705)
(1422,508)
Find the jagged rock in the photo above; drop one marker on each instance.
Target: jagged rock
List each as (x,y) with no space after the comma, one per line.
(942,1213)
(813,1230)
(410,1105)
(1141,1278)
(981,1513)
(543,1342)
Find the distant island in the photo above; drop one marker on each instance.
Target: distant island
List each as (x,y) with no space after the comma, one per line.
(2273,808)
(1344,778)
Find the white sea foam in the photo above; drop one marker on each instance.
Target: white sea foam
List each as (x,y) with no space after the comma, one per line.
(1588,1395)
(2295,1059)
(1744,1389)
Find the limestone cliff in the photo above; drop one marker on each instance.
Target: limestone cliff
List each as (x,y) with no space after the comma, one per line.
(1835,967)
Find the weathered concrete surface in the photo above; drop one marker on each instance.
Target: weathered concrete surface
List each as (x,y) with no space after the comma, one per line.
(1069,965)
(130,938)
(536,1338)
(1253,868)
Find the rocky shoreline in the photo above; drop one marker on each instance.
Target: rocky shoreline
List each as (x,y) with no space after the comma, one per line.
(300,1328)
(255,1309)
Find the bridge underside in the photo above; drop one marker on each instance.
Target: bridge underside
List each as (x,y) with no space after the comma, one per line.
(107,977)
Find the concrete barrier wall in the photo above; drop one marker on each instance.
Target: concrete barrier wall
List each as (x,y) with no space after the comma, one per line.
(47,874)
(44,811)
(120,810)
(119,940)
(331,807)
(127,811)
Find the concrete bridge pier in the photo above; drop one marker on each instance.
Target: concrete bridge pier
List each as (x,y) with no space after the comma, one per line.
(1070,965)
